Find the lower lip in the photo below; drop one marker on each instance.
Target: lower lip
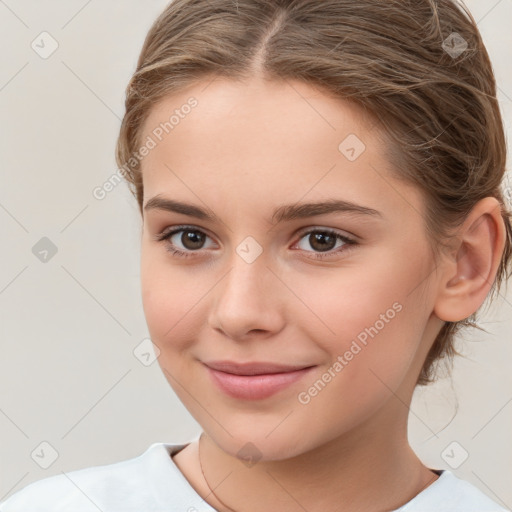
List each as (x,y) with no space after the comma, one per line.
(255,387)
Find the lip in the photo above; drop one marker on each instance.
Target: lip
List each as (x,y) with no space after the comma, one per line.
(253,368)
(254,381)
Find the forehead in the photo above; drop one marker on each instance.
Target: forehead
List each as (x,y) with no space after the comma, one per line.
(244,108)
(259,143)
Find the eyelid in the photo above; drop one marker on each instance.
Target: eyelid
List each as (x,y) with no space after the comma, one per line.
(167,232)
(338,232)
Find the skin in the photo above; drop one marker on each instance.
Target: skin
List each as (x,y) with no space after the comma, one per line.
(237,154)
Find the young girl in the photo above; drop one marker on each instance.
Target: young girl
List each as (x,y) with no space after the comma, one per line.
(319,185)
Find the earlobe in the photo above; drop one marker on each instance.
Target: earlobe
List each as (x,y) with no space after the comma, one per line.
(470,270)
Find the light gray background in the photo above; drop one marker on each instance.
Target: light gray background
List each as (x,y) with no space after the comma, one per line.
(69,326)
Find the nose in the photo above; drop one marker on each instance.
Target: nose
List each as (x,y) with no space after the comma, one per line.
(248,300)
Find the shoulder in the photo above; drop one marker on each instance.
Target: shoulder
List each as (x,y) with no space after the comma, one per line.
(450,493)
(124,485)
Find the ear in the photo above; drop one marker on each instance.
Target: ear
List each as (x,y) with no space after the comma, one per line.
(469,271)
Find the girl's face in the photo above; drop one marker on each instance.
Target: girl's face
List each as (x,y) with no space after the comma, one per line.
(250,285)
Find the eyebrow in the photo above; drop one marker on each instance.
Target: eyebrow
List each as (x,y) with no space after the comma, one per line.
(282,213)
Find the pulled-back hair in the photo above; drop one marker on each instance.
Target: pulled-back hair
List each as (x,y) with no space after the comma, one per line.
(418,68)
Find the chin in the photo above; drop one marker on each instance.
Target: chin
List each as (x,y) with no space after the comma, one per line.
(252,445)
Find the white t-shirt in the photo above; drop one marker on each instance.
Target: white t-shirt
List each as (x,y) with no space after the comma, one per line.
(152,482)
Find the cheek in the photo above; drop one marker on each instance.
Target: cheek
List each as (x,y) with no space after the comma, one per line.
(369,357)
(168,299)
(368,318)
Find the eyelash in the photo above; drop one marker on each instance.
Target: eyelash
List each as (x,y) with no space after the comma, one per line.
(166,235)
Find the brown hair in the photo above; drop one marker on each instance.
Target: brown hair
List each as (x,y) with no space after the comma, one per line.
(404,62)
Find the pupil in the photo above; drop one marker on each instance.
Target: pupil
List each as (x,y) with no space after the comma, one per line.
(317,239)
(193,238)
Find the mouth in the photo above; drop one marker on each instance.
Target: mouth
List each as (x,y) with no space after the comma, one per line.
(254,381)
(254,368)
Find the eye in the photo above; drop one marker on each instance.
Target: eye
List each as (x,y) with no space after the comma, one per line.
(191,240)
(325,240)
